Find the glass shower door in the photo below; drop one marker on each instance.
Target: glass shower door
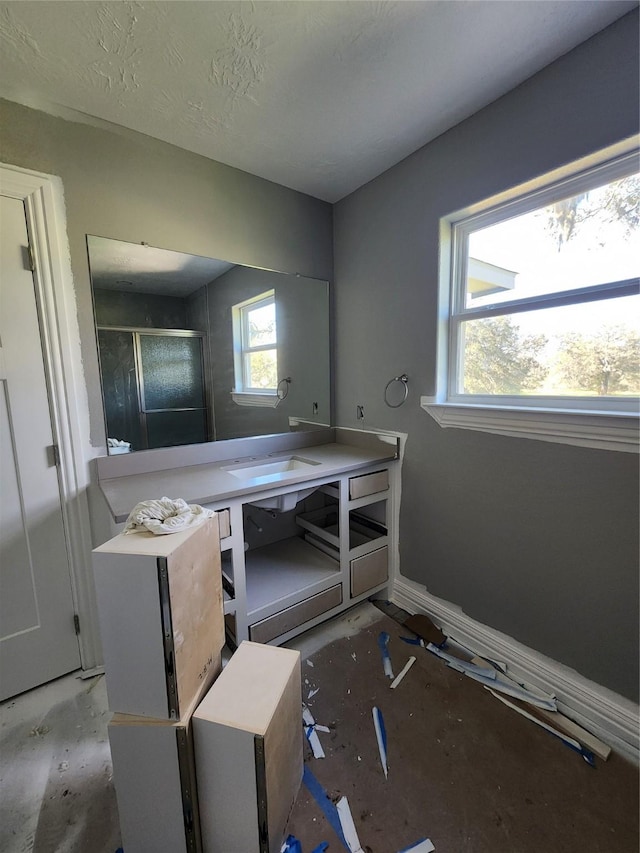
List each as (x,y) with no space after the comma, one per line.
(117,348)
(172,388)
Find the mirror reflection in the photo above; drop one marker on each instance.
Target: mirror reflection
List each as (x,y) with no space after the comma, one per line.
(198,349)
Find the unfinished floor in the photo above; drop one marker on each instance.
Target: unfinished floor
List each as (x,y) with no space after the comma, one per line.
(464,770)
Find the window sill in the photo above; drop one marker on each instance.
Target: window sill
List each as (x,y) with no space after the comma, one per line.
(268,400)
(600,431)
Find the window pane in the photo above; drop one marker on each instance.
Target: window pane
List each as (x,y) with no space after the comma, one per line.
(172,371)
(261,370)
(581,241)
(591,349)
(261,325)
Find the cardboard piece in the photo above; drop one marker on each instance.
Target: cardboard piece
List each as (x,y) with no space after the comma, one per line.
(424,627)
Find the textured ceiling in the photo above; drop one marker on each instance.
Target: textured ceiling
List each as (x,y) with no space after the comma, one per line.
(317,95)
(116,265)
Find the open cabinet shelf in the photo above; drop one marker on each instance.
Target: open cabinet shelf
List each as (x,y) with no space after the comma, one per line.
(328,553)
(284,573)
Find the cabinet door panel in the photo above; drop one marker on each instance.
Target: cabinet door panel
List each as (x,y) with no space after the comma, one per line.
(290,618)
(369,571)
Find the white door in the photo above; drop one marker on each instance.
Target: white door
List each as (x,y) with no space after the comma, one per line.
(38,641)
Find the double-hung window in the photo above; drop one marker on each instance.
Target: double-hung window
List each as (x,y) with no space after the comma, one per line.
(255,350)
(540,331)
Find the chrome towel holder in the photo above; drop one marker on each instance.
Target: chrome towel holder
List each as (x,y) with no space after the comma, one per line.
(282,388)
(404,379)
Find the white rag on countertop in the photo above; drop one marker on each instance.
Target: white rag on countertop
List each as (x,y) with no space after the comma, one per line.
(165,516)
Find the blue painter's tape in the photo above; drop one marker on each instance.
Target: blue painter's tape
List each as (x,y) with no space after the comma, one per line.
(383,640)
(413,641)
(416,845)
(383,731)
(322,799)
(292,845)
(383,643)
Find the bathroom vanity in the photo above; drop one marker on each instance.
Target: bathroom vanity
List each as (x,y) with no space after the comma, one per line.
(307,519)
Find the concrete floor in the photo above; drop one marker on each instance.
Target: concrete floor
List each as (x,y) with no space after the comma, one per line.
(465,770)
(56,792)
(56,789)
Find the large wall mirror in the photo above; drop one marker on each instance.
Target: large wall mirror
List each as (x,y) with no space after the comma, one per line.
(198,349)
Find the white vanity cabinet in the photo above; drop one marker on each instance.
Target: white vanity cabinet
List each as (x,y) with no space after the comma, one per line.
(307,520)
(333,552)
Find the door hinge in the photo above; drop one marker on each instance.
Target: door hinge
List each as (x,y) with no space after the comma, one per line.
(54,455)
(76,623)
(31,264)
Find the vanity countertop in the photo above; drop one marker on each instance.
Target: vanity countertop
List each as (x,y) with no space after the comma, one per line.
(212,482)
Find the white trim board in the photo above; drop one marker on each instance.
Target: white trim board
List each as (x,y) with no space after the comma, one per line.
(612,718)
(594,429)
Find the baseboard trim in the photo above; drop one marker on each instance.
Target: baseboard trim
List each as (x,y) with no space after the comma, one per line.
(91,673)
(612,718)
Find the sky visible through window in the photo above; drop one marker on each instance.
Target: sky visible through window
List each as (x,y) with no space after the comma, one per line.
(262,325)
(582,241)
(600,249)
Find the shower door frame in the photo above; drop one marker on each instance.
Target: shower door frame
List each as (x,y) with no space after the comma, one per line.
(137,331)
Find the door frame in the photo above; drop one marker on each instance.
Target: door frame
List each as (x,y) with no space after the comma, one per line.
(55,296)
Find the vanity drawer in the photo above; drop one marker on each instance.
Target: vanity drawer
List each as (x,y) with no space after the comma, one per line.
(369,571)
(224,520)
(159,640)
(248,745)
(153,762)
(368,484)
(297,614)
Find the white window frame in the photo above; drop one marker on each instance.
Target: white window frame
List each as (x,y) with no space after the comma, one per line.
(606,423)
(243,394)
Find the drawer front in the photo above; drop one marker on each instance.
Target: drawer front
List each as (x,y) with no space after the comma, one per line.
(153,764)
(369,571)
(224,520)
(368,484)
(295,615)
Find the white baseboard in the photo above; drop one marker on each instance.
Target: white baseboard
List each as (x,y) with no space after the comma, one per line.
(612,718)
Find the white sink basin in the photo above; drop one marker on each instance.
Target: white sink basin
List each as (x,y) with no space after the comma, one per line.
(283,503)
(274,471)
(270,470)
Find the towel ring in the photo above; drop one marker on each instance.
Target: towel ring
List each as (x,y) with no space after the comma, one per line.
(281,392)
(405,382)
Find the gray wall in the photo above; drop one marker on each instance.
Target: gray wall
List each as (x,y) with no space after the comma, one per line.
(538,540)
(130,187)
(114,308)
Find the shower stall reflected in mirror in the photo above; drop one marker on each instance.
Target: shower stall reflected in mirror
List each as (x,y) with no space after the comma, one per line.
(153,386)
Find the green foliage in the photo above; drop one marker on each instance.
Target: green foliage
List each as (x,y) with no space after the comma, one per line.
(263,369)
(604,363)
(620,202)
(499,360)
